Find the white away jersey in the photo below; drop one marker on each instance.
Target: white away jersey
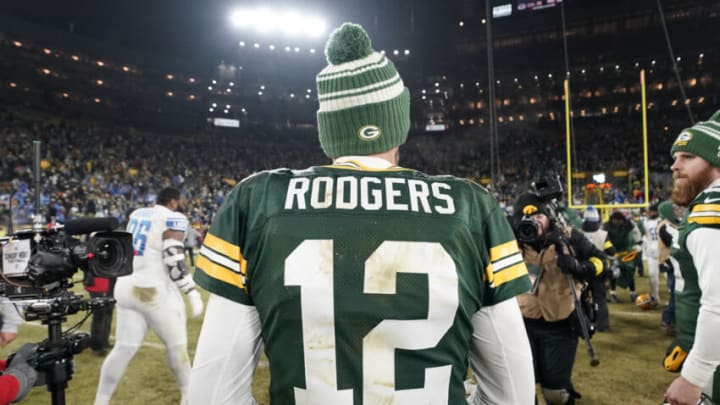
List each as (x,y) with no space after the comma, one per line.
(147,226)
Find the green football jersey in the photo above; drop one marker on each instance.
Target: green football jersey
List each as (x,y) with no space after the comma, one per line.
(703,211)
(365,280)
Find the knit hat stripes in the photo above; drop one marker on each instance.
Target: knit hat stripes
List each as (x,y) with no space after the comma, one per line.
(373,61)
(364,104)
(349,81)
(711,128)
(702,139)
(373,93)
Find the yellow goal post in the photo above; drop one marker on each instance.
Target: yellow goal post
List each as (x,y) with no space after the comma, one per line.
(605,208)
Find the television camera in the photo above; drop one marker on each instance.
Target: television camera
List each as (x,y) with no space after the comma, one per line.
(548,190)
(36,277)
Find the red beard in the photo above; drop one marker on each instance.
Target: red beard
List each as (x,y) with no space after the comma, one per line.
(686,189)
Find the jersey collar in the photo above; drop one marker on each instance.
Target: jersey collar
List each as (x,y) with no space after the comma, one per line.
(371,163)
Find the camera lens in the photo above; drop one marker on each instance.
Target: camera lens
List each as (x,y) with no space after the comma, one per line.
(112,254)
(107,253)
(527,230)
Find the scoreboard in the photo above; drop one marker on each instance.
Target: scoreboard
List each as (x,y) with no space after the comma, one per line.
(521,6)
(532,5)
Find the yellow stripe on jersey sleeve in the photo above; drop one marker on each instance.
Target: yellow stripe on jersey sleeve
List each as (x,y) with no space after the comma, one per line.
(221,273)
(223,247)
(502,250)
(706,207)
(705,220)
(705,214)
(505,275)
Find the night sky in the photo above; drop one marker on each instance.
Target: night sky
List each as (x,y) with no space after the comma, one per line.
(201,28)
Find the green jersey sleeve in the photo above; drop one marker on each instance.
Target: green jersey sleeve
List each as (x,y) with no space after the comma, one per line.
(506,274)
(221,267)
(704,210)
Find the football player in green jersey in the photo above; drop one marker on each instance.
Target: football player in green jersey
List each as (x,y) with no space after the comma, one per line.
(696,175)
(366,282)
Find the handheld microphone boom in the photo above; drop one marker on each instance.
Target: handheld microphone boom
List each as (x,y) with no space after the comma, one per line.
(88,225)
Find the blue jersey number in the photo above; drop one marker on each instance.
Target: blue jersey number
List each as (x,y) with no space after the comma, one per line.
(139,230)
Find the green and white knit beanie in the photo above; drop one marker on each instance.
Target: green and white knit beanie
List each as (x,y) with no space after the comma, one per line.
(702,139)
(364,105)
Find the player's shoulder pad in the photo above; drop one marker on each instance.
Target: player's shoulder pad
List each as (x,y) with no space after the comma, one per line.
(708,200)
(705,208)
(261,177)
(176,221)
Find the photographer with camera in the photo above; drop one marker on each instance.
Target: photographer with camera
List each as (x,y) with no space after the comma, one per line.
(559,258)
(17,376)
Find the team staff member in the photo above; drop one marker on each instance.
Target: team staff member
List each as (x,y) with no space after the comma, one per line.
(368,282)
(696,175)
(625,237)
(552,253)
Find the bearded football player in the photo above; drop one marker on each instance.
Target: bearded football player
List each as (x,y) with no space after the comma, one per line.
(695,353)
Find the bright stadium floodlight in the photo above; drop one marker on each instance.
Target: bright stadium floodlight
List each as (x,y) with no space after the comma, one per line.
(288,22)
(314,27)
(241,19)
(265,21)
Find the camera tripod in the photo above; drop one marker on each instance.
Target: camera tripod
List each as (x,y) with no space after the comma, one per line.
(54,356)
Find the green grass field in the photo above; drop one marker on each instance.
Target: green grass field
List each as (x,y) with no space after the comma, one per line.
(630,370)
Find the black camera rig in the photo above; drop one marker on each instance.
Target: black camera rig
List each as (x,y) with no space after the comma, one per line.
(548,191)
(36,276)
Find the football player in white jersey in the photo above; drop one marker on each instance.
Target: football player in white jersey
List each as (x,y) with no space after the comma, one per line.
(150,296)
(650,251)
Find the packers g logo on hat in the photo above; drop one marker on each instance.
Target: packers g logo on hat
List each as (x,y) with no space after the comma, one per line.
(369,132)
(683,138)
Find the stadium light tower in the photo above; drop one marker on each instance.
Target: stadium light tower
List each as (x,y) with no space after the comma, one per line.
(287,22)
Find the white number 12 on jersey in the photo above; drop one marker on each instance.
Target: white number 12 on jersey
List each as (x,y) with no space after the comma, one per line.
(310,266)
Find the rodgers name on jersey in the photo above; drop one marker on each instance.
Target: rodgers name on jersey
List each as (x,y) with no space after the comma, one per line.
(369,193)
(365,282)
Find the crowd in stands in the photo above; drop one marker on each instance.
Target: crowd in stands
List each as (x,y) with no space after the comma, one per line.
(95,169)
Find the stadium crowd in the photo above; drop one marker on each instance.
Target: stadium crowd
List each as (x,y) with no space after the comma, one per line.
(90,169)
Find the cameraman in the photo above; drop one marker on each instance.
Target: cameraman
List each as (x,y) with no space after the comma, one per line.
(17,376)
(553,251)
(10,320)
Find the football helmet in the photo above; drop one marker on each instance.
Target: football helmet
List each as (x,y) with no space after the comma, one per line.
(645,301)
